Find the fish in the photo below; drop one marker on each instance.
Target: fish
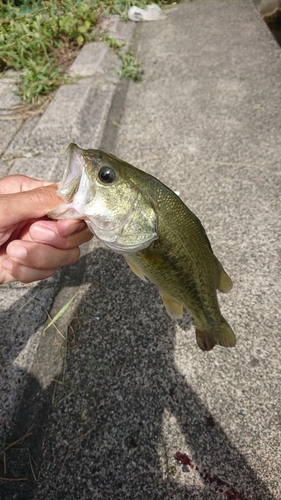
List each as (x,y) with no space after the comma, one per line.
(161,239)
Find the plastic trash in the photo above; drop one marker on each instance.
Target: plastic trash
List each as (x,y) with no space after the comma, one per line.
(151,13)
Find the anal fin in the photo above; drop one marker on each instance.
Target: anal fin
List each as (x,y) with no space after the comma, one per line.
(174,309)
(224,281)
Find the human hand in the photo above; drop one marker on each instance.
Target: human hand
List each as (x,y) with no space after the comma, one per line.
(32,246)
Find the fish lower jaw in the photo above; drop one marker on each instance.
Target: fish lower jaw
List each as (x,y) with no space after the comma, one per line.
(65,212)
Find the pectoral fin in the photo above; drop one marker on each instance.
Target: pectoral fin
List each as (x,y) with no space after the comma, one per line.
(174,309)
(136,270)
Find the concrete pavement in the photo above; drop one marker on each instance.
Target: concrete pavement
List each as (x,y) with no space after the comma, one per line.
(106,418)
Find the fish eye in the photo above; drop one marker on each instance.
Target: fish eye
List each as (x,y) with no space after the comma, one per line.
(106,175)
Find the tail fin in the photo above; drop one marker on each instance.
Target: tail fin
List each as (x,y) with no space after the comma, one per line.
(222,335)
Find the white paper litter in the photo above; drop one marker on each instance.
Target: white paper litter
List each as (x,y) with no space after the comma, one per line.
(152,13)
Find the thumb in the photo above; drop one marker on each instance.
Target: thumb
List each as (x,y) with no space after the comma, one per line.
(26,205)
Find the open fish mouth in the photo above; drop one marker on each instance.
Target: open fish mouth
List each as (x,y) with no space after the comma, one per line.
(73,187)
(72,173)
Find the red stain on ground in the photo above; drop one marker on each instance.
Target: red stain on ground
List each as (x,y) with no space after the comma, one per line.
(210,422)
(221,486)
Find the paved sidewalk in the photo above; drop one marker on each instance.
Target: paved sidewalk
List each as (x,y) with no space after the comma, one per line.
(133,388)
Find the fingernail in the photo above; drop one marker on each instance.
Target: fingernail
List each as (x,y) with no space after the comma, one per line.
(42,234)
(16,251)
(7,264)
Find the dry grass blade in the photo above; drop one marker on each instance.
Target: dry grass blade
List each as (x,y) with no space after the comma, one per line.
(31,466)
(20,440)
(65,397)
(83,436)
(56,327)
(60,382)
(31,298)
(14,479)
(60,313)
(25,111)
(4,463)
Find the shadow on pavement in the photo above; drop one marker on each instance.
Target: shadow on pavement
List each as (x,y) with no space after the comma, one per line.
(124,410)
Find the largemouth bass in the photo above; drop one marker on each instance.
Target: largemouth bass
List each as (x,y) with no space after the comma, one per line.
(136,215)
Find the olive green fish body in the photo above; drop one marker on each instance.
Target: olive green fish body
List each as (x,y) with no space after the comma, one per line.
(133,213)
(182,265)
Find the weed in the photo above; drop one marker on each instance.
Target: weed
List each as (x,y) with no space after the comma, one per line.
(112,42)
(130,67)
(40,39)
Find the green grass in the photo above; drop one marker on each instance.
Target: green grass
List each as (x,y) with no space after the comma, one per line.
(41,38)
(131,68)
